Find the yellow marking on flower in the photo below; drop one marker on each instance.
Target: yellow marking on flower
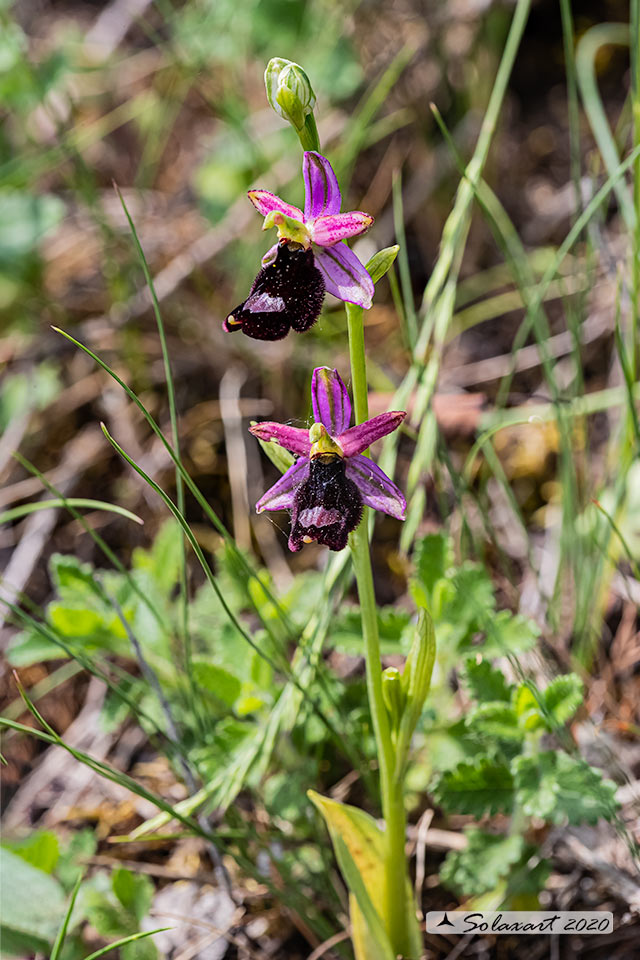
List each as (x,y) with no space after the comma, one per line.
(288,228)
(322,445)
(232,322)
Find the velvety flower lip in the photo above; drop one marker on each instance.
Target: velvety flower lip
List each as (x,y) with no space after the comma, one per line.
(331,481)
(287,294)
(321,227)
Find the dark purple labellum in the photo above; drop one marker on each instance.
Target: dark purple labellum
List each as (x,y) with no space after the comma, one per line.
(287,293)
(327,505)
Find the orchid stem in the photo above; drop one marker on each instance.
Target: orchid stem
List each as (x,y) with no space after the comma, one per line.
(391,787)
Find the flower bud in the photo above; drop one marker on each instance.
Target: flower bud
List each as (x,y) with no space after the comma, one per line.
(289,91)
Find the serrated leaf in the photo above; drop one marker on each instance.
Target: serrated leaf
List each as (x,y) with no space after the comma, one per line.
(486,860)
(485,682)
(509,633)
(222,684)
(559,787)
(478,787)
(527,708)
(494,720)
(562,698)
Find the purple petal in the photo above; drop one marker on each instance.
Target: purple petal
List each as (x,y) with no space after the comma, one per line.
(356,439)
(376,489)
(344,275)
(330,400)
(291,438)
(338,226)
(321,190)
(266,203)
(281,495)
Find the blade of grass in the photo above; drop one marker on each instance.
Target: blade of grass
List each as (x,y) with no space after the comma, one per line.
(173,416)
(62,932)
(124,941)
(16,513)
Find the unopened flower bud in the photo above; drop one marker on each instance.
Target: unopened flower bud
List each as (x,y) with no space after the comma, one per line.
(289,91)
(393,695)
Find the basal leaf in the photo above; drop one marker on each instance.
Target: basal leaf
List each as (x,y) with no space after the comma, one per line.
(432,558)
(33,905)
(134,891)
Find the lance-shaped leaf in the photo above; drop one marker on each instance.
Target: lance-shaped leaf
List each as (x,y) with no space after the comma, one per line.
(381,262)
(416,681)
(360,849)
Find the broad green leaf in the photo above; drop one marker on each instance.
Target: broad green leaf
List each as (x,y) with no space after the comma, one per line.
(28,648)
(480,866)
(33,905)
(359,847)
(222,684)
(476,788)
(485,682)
(73,579)
(79,622)
(41,849)
(559,787)
(134,891)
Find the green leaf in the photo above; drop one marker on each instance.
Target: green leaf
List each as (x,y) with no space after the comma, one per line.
(486,859)
(508,633)
(82,845)
(41,849)
(134,891)
(164,559)
(346,634)
(78,622)
(558,787)
(562,698)
(485,683)
(360,850)
(494,721)
(478,787)
(73,579)
(33,905)
(432,558)
(222,684)
(416,681)
(28,648)
(381,262)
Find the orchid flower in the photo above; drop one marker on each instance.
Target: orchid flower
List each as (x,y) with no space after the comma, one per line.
(308,259)
(331,481)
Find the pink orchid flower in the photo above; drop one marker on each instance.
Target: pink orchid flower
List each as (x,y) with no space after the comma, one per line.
(308,259)
(331,481)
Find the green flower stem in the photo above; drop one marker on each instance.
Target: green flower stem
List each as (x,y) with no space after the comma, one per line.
(391,788)
(308,135)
